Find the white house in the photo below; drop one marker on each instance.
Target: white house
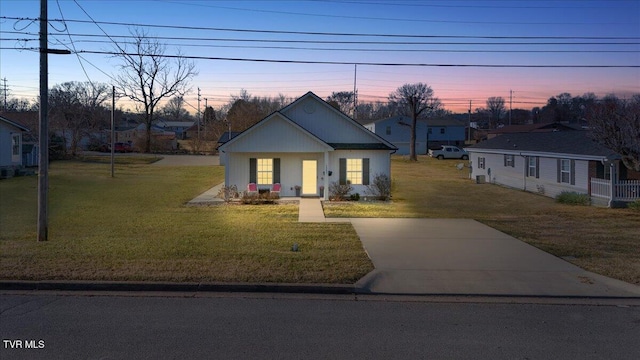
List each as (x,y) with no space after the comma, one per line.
(11,143)
(551,162)
(307,144)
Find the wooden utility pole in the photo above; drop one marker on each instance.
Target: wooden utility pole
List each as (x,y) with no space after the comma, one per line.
(113,129)
(43,141)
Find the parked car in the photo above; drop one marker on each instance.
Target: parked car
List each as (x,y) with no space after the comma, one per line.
(122,147)
(449,152)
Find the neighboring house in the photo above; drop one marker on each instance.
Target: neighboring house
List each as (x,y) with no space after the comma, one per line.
(430,133)
(30,155)
(178,127)
(138,133)
(308,144)
(551,162)
(526,128)
(11,134)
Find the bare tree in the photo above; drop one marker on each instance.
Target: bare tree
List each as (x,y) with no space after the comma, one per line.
(76,108)
(495,106)
(174,109)
(342,100)
(147,75)
(615,123)
(414,101)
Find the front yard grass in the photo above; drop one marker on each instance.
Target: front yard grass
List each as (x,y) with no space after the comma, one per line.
(135,227)
(605,241)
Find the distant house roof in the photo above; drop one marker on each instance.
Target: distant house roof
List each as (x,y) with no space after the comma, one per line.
(440,122)
(225,136)
(511,129)
(554,142)
(174,124)
(14,123)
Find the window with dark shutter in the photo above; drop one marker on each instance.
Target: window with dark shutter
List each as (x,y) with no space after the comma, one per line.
(253,170)
(343,172)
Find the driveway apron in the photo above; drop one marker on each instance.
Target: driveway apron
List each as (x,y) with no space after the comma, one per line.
(465,257)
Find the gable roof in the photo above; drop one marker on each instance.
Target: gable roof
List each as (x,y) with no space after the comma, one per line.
(574,143)
(14,124)
(375,137)
(265,123)
(377,142)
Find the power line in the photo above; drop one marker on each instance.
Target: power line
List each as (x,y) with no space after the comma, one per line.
(316,33)
(319,62)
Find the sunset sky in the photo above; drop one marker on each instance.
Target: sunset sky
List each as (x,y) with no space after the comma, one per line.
(431,42)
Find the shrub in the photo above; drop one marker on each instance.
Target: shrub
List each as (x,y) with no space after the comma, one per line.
(355,197)
(228,192)
(339,192)
(634,205)
(573,198)
(258,199)
(380,187)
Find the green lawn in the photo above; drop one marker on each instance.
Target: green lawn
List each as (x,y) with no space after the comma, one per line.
(135,227)
(601,240)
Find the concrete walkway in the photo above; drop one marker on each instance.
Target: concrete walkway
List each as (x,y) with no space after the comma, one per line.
(310,210)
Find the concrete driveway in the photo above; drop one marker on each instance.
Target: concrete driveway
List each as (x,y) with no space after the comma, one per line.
(465,257)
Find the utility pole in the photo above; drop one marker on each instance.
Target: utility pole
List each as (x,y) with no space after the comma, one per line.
(355,92)
(510,102)
(205,121)
(5,93)
(113,130)
(198,119)
(469,132)
(43,141)
(43,133)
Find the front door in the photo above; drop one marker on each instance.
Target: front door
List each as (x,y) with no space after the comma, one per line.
(309,177)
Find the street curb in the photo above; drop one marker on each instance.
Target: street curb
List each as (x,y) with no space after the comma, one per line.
(337,289)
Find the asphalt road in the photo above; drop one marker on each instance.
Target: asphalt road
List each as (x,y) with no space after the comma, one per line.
(303,327)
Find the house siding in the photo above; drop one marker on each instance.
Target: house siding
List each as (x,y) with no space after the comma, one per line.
(276,135)
(6,145)
(323,121)
(515,177)
(291,168)
(379,162)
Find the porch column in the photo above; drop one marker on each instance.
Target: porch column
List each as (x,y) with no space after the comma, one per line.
(326,176)
(612,176)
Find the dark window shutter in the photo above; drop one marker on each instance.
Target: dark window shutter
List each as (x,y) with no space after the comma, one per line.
(343,171)
(276,170)
(253,170)
(505,160)
(526,166)
(559,170)
(513,161)
(537,167)
(573,172)
(365,171)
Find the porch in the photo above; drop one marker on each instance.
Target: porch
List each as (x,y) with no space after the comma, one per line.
(620,190)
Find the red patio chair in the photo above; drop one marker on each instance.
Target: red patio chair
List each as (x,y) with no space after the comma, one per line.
(252,188)
(276,189)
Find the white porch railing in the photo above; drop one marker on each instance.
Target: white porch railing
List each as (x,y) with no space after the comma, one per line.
(627,190)
(624,190)
(601,188)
